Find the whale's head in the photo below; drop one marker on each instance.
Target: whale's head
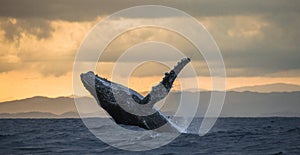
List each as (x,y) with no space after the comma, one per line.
(105,91)
(99,87)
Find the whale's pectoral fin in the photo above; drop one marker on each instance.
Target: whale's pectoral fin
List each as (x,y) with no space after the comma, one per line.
(136,98)
(161,90)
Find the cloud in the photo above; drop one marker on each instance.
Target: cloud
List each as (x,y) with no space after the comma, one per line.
(77,10)
(257,38)
(251,45)
(243,40)
(69,10)
(255,46)
(52,55)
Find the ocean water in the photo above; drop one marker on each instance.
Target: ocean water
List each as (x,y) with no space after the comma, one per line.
(228,136)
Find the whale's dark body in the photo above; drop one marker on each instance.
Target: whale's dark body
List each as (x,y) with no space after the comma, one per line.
(128,107)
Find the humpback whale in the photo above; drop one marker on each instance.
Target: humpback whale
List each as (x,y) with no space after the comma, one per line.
(128,107)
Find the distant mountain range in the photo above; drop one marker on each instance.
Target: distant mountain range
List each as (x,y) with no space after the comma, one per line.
(276,87)
(237,104)
(55,106)
(43,107)
(39,115)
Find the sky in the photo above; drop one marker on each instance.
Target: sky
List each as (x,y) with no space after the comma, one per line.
(259,41)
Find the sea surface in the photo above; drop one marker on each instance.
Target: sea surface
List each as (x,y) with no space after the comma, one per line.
(228,136)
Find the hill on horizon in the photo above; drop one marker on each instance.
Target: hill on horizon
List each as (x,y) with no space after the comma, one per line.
(268,88)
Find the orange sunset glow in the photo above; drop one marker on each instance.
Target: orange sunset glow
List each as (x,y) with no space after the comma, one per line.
(37,51)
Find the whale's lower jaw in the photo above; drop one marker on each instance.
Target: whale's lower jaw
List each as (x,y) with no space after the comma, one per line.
(101,89)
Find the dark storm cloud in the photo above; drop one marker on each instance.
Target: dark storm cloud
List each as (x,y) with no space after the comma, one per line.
(77,10)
